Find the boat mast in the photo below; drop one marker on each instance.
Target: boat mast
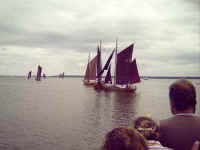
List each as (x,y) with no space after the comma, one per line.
(115,63)
(99,68)
(100,46)
(99,79)
(89,67)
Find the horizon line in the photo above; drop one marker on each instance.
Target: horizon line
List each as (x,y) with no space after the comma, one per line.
(143,76)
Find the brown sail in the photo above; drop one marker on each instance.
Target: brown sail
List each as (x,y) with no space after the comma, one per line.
(87,73)
(91,70)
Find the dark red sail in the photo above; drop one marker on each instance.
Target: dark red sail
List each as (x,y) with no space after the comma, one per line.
(107,63)
(108,78)
(133,73)
(124,58)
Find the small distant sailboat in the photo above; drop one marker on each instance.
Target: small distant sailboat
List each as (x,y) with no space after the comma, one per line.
(61,75)
(126,72)
(39,72)
(29,74)
(145,78)
(44,76)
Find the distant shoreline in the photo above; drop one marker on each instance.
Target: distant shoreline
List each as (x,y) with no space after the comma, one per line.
(81,76)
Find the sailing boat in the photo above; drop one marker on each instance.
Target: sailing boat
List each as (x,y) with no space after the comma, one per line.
(93,69)
(90,73)
(61,75)
(100,85)
(126,72)
(29,74)
(44,76)
(38,77)
(108,78)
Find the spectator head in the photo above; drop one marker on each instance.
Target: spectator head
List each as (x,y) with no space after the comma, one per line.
(147,127)
(124,139)
(182,96)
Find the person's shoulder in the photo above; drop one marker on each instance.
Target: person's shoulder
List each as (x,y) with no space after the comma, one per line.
(156,145)
(174,120)
(196,120)
(167,121)
(197,117)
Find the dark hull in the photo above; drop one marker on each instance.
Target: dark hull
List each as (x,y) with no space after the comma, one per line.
(114,88)
(119,89)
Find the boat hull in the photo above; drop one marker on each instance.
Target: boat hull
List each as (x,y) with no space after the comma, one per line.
(108,88)
(119,89)
(88,83)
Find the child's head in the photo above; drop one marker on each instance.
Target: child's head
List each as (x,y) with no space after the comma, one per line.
(124,138)
(147,127)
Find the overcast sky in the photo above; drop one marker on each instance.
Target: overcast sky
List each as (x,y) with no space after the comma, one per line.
(59,34)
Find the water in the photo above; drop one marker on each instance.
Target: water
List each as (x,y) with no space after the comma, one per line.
(58,114)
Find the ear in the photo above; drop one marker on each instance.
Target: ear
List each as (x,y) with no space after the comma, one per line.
(173,108)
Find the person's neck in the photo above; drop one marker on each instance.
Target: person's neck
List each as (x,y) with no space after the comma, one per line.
(187,111)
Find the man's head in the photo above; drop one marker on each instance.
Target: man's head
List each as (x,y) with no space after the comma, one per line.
(182,96)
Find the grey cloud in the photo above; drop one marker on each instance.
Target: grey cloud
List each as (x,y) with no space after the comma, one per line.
(158,28)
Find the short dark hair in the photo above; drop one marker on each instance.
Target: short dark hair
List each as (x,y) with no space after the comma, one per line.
(183,94)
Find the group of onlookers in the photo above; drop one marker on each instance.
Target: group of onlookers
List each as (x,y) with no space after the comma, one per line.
(179,132)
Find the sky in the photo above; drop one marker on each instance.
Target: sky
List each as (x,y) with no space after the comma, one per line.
(60,34)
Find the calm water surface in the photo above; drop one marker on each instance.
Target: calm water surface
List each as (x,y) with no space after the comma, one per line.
(63,114)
